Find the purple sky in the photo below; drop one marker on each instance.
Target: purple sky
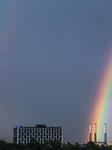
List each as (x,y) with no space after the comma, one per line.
(51,56)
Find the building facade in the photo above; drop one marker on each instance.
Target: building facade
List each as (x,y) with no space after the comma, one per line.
(40,133)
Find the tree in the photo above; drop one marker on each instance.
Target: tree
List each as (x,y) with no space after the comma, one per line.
(91,144)
(72,147)
(77,145)
(32,140)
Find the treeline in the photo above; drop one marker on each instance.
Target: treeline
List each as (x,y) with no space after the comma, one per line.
(49,145)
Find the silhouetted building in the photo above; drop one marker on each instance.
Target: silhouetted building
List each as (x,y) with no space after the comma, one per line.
(40,133)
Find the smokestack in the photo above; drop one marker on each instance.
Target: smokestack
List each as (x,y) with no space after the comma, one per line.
(105,133)
(90,132)
(95,133)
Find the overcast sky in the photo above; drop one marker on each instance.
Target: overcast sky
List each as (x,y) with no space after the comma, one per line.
(52,54)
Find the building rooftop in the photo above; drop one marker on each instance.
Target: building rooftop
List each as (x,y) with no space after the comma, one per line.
(38,126)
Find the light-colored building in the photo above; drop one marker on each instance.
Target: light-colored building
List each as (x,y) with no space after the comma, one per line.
(109,143)
(41,133)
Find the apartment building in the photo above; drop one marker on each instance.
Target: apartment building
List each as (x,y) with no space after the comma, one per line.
(41,133)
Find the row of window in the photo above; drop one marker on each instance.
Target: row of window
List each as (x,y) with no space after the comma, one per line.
(23,133)
(36,137)
(39,130)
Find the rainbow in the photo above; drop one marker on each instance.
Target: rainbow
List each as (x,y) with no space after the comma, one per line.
(102,99)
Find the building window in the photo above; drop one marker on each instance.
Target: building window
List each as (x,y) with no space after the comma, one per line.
(19,136)
(41,131)
(38,139)
(27,133)
(60,133)
(35,136)
(38,133)
(30,130)
(33,133)
(27,139)
(49,133)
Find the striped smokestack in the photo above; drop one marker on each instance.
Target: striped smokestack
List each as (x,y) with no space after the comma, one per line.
(105,133)
(95,133)
(90,132)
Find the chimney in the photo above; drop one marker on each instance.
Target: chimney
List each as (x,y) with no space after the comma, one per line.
(105,133)
(90,132)
(95,133)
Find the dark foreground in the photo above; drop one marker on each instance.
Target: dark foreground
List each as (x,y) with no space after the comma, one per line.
(51,145)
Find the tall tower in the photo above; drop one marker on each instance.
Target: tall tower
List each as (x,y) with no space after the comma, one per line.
(90,132)
(95,133)
(105,133)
